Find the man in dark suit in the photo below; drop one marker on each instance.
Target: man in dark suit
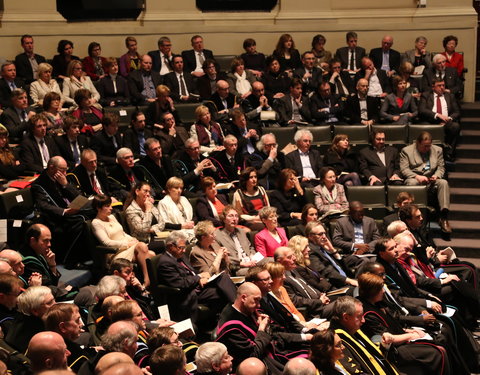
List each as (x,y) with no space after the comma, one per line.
(325,107)
(380,163)
(143,82)
(206,84)
(247,133)
(293,107)
(181,84)
(172,137)
(158,164)
(8,83)
(453,84)
(38,148)
(310,75)
(355,233)
(195,57)
(255,103)
(222,102)
(340,80)
(15,117)
(28,61)
(229,162)
(360,108)
(385,58)
(351,56)
(305,161)
(440,107)
(135,136)
(162,57)
(175,271)
(107,142)
(71,144)
(378,82)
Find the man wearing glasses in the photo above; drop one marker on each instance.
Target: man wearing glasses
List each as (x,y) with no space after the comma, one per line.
(162,57)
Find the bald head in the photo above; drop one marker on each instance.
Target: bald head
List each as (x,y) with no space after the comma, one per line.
(121,326)
(247,289)
(299,366)
(5,268)
(47,351)
(123,369)
(251,366)
(56,372)
(14,259)
(111,359)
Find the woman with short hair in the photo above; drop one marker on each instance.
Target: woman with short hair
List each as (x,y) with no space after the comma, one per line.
(272,236)
(76,80)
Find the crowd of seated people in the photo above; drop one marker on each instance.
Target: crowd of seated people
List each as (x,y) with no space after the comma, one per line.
(263,239)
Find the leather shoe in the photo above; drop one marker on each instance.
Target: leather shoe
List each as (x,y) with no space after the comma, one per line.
(445,226)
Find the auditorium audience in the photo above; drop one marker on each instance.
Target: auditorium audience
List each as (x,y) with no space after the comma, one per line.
(45,84)
(76,79)
(129,61)
(211,204)
(60,62)
(330,196)
(399,107)
(240,79)
(52,110)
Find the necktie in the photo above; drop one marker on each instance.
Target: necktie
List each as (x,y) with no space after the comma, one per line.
(183,88)
(149,90)
(114,141)
(76,156)
(44,149)
(12,86)
(201,58)
(167,63)
(352,59)
(94,184)
(334,264)
(439,105)
(184,265)
(24,116)
(339,86)
(130,177)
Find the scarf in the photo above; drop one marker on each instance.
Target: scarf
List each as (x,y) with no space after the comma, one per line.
(242,85)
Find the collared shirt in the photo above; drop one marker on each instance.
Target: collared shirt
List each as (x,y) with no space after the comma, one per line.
(374,86)
(442,101)
(43,150)
(386,60)
(306,165)
(363,108)
(34,65)
(164,66)
(200,59)
(148,91)
(358,232)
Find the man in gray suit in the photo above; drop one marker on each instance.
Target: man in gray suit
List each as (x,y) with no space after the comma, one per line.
(422,164)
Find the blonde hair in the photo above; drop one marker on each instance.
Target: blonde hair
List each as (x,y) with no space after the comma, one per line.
(174,182)
(297,244)
(200,111)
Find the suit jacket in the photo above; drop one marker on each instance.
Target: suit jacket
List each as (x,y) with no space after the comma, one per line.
(346,80)
(65,150)
(352,109)
(6,91)
(371,165)
(452,81)
(160,174)
(266,245)
(103,145)
(135,85)
(335,108)
(83,183)
(427,103)
(382,78)
(311,85)
(204,211)
(202,260)
(376,55)
(172,145)
(344,233)
(108,94)
(204,87)
(157,60)
(285,110)
(292,160)
(410,57)
(323,266)
(119,177)
(285,204)
(412,164)
(189,60)
(267,170)
(342,55)
(24,69)
(242,141)
(171,81)
(185,170)
(223,238)
(390,107)
(30,153)
(130,140)
(302,294)
(215,105)
(14,125)
(227,171)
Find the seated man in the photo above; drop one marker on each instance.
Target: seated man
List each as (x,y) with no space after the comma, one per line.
(350,56)
(195,57)
(439,70)
(422,164)
(15,117)
(142,82)
(10,289)
(379,84)
(325,107)
(229,161)
(71,144)
(181,84)
(247,133)
(175,271)
(222,102)
(47,351)
(360,108)
(107,142)
(293,107)
(380,163)
(385,58)
(9,83)
(125,175)
(134,137)
(355,233)
(15,260)
(310,75)
(167,360)
(162,58)
(256,102)
(28,61)
(206,84)
(306,162)
(172,136)
(340,80)
(158,164)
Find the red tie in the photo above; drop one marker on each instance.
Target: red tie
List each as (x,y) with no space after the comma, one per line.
(439,105)
(94,184)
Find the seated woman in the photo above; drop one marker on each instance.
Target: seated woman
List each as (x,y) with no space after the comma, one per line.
(176,210)
(142,216)
(287,55)
(87,113)
(52,111)
(454,59)
(272,236)
(288,199)
(10,167)
(250,198)
(45,84)
(208,132)
(239,79)
(131,60)
(399,107)
(322,56)
(112,87)
(94,63)
(76,80)
(276,81)
(330,197)
(326,349)
(343,160)
(309,213)
(254,61)
(110,233)
(419,55)
(163,104)
(207,255)
(414,85)
(65,55)
(211,204)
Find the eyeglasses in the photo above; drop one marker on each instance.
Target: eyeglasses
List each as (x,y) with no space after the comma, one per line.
(180,247)
(318,234)
(266,278)
(270,145)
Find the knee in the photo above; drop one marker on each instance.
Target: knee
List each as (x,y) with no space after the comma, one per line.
(141,248)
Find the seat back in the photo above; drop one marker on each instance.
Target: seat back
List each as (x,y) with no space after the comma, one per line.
(124,115)
(186,112)
(372,198)
(16,204)
(420,192)
(358,135)
(224,61)
(394,134)
(284,136)
(437,132)
(309,196)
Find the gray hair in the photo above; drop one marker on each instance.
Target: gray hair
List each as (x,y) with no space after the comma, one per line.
(344,305)
(55,161)
(421,38)
(32,299)
(229,137)
(261,142)
(266,211)
(209,354)
(437,57)
(190,140)
(115,342)
(162,40)
(109,285)
(301,133)
(149,142)
(16,93)
(174,237)
(122,152)
(393,227)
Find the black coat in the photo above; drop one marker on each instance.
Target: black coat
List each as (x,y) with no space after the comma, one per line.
(394,58)
(6,91)
(352,109)
(24,68)
(103,145)
(107,93)
(287,203)
(370,163)
(135,85)
(203,209)
(160,174)
(130,140)
(65,150)
(31,156)
(171,81)
(189,60)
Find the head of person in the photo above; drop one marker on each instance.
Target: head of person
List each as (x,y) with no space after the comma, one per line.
(372,267)
(208,186)
(210,68)
(286,257)
(222,88)
(213,357)
(424,142)
(163,93)
(411,215)
(27,43)
(110,286)
(65,47)
(406,69)
(340,144)
(356,211)
(299,366)
(420,43)
(94,49)
(51,101)
(438,86)
(110,123)
(146,63)
(367,63)
(6,268)
(248,298)
(318,43)
(387,42)
(19,98)
(439,62)
(123,268)
(285,43)
(141,192)
(131,44)
(14,258)
(47,351)
(74,68)
(176,244)
(110,360)
(39,238)
(177,63)
(273,65)
(303,139)
(165,45)
(258,89)
(65,319)
(9,72)
(238,118)
(327,176)
(168,360)
(268,216)
(396,227)
(250,46)
(277,273)
(197,43)
(192,148)
(295,88)
(121,336)
(237,65)
(348,312)
(45,72)
(153,149)
(125,158)
(362,87)
(229,217)
(103,205)
(266,143)
(248,179)
(204,233)
(299,245)
(4,141)
(83,98)
(316,233)
(386,248)
(352,39)
(88,159)
(10,289)
(138,120)
(72,127)
(111,66)
(286,179)
(405,244)
(37,125)
(370,287)
(399,85)
(404,198)
(450,43)
(308,59)
(202,114)
(174,188)
(35,301)
(335,66)
(123,369)
(324,89)
(377,139)
(309,213)
(168,120)
(161,336)
(128,310)
(231,144)
(325,349)
(252,366)
(259,276)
